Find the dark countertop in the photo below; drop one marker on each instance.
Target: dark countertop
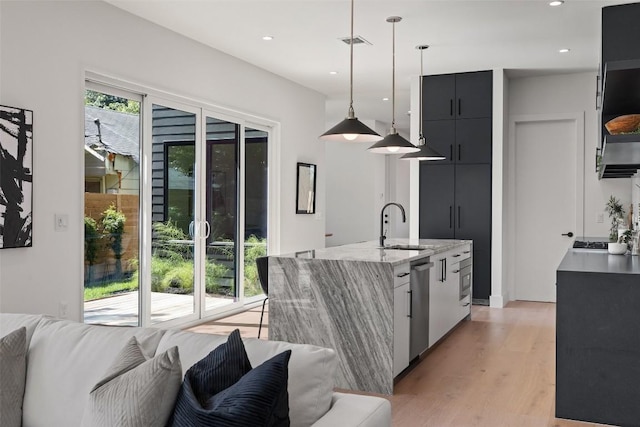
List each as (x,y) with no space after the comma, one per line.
(599,261)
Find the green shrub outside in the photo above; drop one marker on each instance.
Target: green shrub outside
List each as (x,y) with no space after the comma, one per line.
(172,266)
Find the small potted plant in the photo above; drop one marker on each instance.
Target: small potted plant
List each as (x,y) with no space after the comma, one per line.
(617,245)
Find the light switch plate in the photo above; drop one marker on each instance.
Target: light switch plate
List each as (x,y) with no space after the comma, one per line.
(61,222)
(600,218)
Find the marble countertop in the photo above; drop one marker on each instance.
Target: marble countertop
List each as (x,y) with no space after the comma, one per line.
(372,252)
(599,261)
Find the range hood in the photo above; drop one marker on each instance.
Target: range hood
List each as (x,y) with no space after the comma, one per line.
(620,154)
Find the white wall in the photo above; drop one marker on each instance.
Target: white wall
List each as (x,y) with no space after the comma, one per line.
(46,47)
(572,93)
(563,94)
(358,184)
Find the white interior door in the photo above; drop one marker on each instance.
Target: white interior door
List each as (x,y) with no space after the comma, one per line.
(547,171)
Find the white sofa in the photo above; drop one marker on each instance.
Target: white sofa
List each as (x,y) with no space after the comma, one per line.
(66,359)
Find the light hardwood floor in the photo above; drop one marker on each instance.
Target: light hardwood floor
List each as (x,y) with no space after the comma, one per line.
(496,370)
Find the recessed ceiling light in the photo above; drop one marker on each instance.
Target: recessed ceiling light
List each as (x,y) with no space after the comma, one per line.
(556,3)
(267,38)
(333,73)
(385,99)
(564,50)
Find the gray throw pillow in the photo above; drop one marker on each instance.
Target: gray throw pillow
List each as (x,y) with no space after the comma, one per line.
(13,370)
(135,391)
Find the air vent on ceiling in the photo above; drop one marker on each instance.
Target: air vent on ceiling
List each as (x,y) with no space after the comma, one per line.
(356,40)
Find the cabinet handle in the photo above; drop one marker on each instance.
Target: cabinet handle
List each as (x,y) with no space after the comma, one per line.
(451,152)
(444,270)
(456,271)
(459,152)
(597,91)
(450,216)
(451,107)
(456,255)
(466,305)
(459,216)
(410,314)
(459,106)
(402,274)
(466,252)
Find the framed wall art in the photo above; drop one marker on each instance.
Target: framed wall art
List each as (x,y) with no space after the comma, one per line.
(16,177)
(306,189)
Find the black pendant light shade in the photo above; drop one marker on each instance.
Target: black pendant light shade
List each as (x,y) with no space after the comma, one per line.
(424,152)
(393,143)
(351,129)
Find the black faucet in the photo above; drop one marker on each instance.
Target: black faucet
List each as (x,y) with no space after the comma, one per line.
(382,232)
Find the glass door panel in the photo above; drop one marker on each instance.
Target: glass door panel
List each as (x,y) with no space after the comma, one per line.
(255,208)
(221,170)
(173,218)
(111,206)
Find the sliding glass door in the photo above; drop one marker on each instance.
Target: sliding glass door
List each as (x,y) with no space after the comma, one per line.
(190,186)
(201,247)
(174,187)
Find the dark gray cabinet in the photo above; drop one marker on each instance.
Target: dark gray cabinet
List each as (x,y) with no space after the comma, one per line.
(437,202)
(620,32)
(455,194)
(455,203)
(457,96)
(461,141)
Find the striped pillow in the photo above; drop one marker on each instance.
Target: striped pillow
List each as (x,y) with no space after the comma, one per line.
(223,390)
(13,369)
(135,391)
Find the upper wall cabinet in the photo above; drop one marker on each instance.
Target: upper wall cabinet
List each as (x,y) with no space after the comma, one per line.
(619,154)
(620,32)
(457,96)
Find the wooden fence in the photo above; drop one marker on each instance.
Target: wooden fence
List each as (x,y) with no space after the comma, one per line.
(94,206)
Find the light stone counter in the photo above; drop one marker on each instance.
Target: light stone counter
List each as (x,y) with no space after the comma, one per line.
(342,298)
(371,251)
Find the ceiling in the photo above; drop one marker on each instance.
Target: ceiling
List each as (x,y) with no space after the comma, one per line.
(522,36)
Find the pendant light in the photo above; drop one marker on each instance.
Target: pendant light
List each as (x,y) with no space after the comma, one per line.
(351,129)
(425,153)
(393,143)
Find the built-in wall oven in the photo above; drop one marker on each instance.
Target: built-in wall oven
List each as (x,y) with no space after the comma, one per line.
(465,278)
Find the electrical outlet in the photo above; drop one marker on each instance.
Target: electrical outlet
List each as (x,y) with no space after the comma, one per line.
(63,309)
(600,218)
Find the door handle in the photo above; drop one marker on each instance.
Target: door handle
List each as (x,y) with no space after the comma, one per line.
(410,304)
(208,226)
(569,234)
(191,229)
(450,216)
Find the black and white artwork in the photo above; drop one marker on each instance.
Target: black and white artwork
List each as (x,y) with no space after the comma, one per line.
(16,186)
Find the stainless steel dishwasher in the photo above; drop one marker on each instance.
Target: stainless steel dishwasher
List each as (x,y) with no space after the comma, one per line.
(419,335)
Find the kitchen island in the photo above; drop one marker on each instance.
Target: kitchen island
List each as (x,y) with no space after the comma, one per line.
(598,338)
(356,299)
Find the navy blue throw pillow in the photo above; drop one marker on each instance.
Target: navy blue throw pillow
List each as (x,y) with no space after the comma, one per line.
(223,390)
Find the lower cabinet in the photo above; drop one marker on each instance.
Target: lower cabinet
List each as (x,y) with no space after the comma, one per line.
(401,323)
(445,307)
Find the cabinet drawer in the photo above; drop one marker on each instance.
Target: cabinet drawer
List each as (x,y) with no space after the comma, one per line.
(401,275)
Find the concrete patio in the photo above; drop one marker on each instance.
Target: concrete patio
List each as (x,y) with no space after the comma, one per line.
(122,309)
